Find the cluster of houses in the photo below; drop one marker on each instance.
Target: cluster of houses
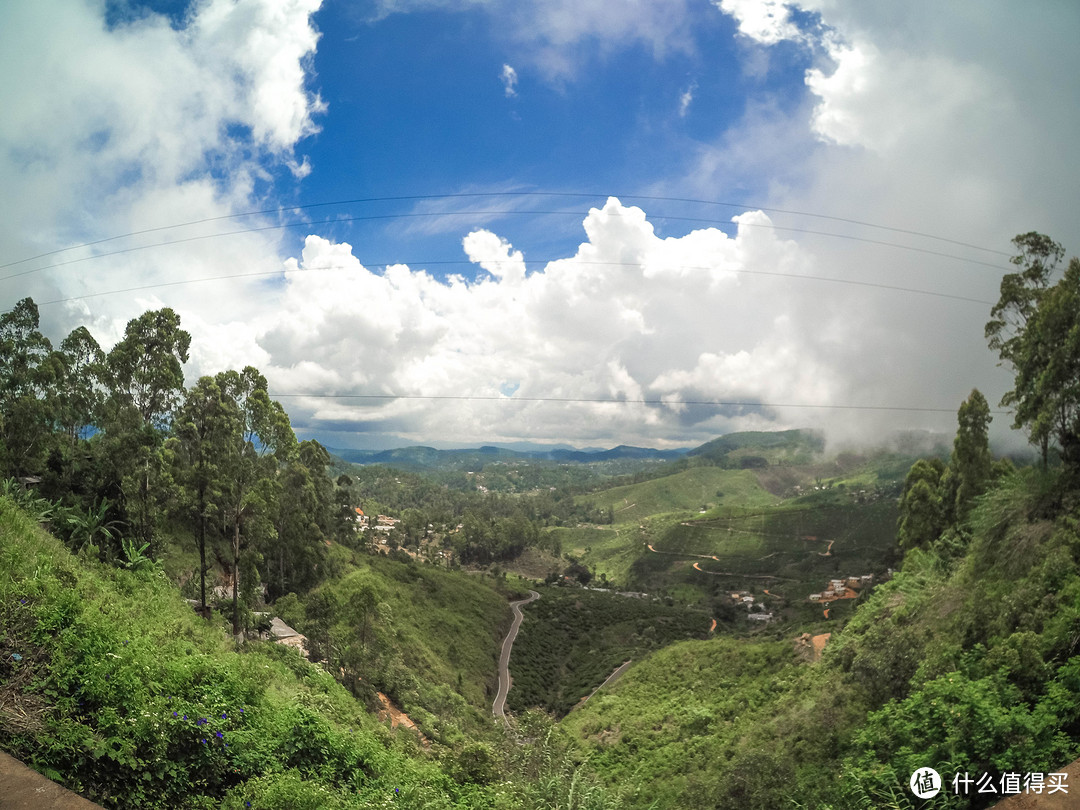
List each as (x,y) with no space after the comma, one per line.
(755,610)
(384,524)
(857,495)
(379,523)
(844,588)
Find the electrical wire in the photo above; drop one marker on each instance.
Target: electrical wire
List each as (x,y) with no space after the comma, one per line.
(368,218)
(267,273)
(465,195)
(611,400)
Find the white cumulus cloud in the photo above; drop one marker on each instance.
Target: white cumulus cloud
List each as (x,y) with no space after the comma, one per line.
(112,130)
(765,21)
(629,316)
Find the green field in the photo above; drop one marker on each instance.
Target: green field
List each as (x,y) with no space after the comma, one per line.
(748,539)
(687,491)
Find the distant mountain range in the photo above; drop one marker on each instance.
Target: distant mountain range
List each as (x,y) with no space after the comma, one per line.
(732,450)
(430,458)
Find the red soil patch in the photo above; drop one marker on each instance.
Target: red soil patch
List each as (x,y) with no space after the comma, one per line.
(399,718)
(818,643)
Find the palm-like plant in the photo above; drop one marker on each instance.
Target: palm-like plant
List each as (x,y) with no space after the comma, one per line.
(40,509)
(135,556)
(90,526)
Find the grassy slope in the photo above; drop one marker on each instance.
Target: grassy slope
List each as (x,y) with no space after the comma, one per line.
(752,531)
(685,491)
(643,511)
(961,663)
(440,624)
(115,672)
(679,714)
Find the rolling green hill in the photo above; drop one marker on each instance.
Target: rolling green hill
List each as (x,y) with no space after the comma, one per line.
(687,491)
(788,526)
(112,685)
(427,637)
(966,661)
(779,447)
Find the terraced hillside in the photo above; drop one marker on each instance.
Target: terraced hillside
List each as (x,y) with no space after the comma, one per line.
(787,528)
(965,661)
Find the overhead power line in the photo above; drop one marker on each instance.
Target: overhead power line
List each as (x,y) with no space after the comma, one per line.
(496,194)
(376,217)
(268,273)
(612,400)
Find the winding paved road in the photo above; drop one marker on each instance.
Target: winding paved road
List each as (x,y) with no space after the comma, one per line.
(499,707)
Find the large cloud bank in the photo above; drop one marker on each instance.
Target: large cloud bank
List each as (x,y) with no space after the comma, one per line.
(628,317)
(144,124)
(952,119)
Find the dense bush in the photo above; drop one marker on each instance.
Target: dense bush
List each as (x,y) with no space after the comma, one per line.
(966,661)
(118,690)
(572,639)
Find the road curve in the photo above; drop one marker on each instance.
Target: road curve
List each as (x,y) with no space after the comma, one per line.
(499,707)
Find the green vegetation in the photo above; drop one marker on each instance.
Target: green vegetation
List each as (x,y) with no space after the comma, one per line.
(1035,329)
(110,684)
(689,491)
(676,720)
(572,639)
(961,663)
(426,637)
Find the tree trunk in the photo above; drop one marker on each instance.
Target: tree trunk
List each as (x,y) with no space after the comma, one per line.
(236,578)
(202,550)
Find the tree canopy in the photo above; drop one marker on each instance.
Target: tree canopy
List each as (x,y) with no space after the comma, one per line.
(1035,328)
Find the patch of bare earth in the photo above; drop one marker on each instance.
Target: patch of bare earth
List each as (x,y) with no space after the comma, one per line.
(398,718)
(533,563)
(809,648)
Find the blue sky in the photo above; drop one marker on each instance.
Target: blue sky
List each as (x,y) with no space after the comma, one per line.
(429,92)
(845,136)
